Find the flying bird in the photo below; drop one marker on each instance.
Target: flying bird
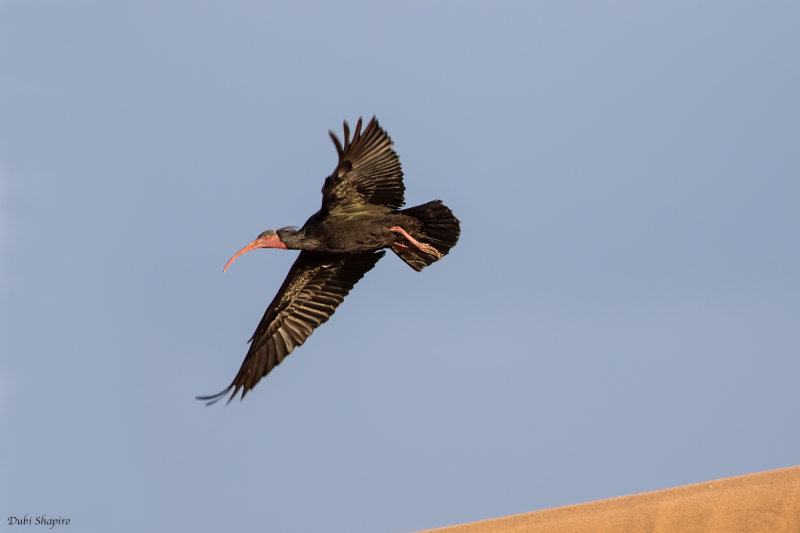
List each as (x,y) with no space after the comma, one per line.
(360,216)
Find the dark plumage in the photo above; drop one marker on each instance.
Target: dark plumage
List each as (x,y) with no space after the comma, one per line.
(360,216)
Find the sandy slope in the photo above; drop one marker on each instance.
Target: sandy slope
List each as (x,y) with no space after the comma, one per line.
(754,503)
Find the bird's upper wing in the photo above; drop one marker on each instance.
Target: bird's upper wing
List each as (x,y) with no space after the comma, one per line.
(368,173)
(316,284)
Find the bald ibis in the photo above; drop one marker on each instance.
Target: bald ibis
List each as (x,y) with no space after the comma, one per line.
(360,216)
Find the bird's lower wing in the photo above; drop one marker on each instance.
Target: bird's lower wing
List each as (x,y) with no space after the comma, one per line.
(316,284)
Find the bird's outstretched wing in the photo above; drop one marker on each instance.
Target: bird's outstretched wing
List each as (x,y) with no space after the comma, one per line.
(368,174)
(316,284)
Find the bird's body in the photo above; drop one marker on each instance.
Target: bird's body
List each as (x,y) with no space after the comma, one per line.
(347,232)
(359,217)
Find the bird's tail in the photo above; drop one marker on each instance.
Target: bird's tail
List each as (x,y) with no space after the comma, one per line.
(439,229)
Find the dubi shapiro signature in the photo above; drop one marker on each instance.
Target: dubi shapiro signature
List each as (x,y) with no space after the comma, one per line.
(41,520)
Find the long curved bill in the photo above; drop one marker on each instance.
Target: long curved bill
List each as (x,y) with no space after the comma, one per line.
(268,239)
(252,246)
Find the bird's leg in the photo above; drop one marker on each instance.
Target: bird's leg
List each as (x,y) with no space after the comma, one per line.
(421,246)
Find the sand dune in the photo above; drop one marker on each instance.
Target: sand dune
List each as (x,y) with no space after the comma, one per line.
(767,502)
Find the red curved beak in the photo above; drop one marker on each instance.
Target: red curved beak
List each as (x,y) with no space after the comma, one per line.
(269,241)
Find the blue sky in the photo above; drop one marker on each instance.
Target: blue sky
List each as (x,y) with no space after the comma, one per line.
(621,312)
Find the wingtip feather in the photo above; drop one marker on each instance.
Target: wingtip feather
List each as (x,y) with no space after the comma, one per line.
(336,143)
(214,398)
(346,127)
